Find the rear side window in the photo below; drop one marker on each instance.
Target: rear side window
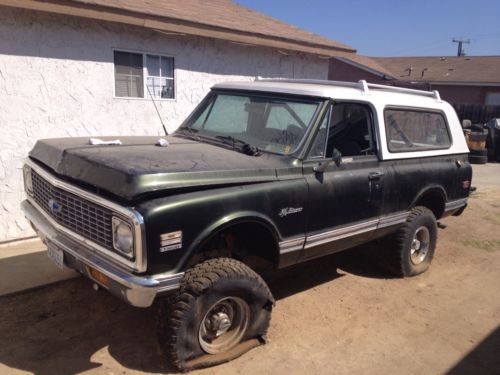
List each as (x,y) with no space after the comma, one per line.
(412,130)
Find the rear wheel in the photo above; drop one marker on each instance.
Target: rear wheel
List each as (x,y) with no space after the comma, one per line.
(221,310)
(411,248)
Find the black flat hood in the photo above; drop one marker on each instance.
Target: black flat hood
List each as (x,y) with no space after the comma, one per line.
(138,166)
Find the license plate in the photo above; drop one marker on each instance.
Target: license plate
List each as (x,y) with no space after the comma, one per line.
(56,255)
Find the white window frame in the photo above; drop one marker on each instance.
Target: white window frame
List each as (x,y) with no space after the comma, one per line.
(144,75)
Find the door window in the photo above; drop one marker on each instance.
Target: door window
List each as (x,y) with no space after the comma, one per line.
(349,132)
(318,149)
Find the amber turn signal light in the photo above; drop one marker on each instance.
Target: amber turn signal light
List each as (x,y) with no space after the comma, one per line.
(98,276)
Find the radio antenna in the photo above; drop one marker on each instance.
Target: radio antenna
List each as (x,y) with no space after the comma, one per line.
(157,111)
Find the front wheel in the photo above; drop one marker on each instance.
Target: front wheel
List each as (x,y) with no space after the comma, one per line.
(221,310)
(411,248)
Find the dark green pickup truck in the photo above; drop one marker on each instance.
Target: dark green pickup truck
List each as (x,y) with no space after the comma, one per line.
(262,175)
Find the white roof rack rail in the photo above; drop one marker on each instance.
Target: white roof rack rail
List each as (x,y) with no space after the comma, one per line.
(361,85)
(404,90)
(311,81)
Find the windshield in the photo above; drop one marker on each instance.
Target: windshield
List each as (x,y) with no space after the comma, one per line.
(270,124)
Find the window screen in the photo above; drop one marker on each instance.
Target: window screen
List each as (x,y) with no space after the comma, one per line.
(409,130)
(160,76)
(128,74)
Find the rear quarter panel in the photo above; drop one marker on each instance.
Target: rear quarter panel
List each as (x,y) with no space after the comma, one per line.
(408,179)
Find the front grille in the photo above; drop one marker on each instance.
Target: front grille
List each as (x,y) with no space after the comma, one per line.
(73,212)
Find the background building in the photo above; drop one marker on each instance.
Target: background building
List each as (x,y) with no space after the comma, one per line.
(470,83)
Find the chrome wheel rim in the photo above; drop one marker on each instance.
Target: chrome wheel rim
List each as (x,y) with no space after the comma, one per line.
(420,245)
(224,325)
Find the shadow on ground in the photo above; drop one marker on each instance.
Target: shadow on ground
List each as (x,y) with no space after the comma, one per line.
(483,359)
(361,261)
(64,328)
(61,328)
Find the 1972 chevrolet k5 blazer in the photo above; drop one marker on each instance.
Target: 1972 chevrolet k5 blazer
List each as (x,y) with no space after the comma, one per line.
(262,175)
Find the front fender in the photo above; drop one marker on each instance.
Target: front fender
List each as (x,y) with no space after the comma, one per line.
(226,222)
(201,214)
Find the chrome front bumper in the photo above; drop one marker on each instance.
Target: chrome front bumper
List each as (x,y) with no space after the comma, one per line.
(137,290)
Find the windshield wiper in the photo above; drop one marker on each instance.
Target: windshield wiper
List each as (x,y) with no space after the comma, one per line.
(188,132)
(188,129)
(246,148)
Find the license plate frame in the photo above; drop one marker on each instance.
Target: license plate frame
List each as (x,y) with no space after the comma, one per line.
(55,254)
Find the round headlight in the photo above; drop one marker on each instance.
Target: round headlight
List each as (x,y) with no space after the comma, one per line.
(28,181)
(123,237)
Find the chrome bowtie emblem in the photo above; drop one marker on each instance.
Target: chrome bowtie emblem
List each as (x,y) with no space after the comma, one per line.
(54,206)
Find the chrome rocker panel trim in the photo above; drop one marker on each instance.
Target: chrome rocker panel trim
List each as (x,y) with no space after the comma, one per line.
(306,242)
(338,234)
(137,290)
(456,204)
(289,246)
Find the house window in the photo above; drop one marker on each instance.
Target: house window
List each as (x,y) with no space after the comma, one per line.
(140,75)
(160,76)
(128,75)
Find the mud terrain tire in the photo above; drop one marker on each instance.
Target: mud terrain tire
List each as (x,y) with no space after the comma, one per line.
(211,293)
(411,248)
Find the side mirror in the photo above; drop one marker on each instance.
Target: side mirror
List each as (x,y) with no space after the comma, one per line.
(336,158)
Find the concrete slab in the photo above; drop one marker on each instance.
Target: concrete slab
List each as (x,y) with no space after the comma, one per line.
(25,265)
(486,177)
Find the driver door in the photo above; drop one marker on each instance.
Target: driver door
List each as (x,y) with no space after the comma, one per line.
(345,200)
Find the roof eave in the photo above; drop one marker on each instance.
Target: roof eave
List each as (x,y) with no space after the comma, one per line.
(177,26)
(453,83)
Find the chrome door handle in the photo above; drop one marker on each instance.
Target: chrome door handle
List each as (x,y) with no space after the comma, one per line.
(375,176)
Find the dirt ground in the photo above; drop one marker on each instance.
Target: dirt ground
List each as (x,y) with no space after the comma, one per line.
(339,315)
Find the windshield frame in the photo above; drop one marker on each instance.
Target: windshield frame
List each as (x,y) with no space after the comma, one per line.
(319,101)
